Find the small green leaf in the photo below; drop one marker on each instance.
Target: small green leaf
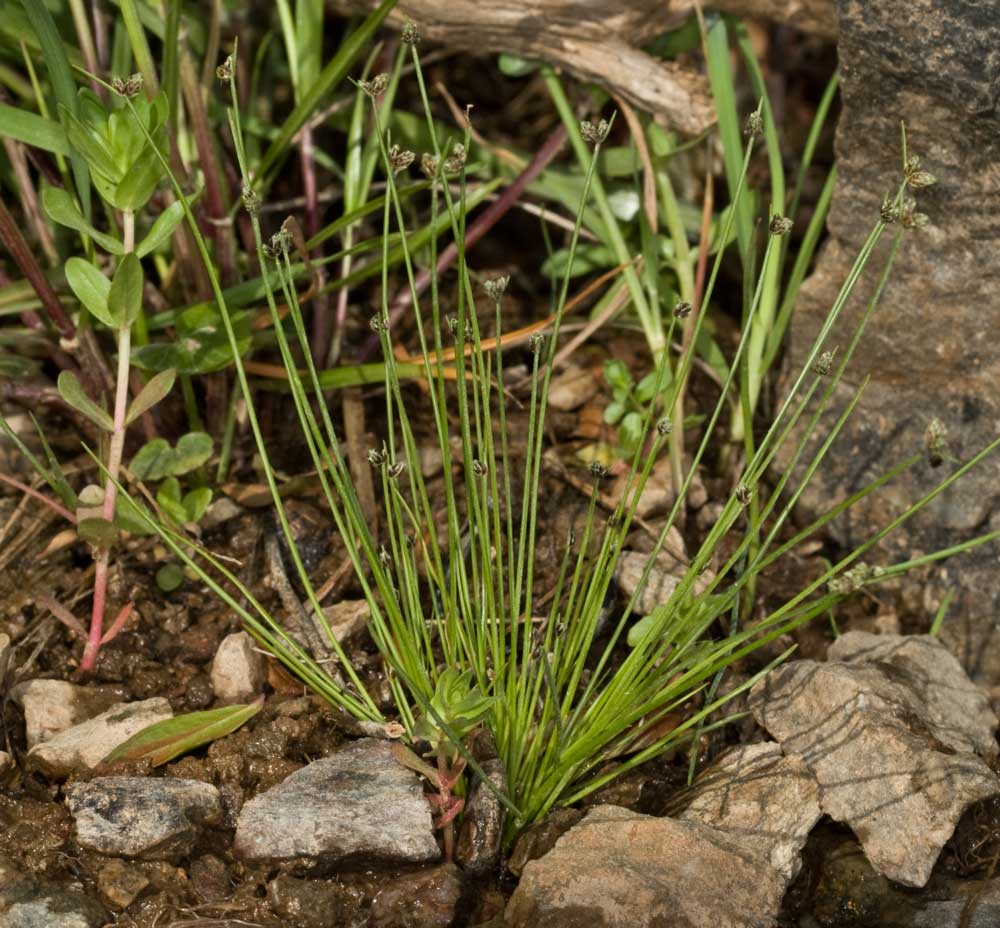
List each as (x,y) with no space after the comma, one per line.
(71,390)
(158,387)
(163,741)
(61,208)
(99,532)
(617,375)
(168,496)
(131,516)
(193,450)
(196,502)
(91,288)
(162,229)
(125,296)
(153,460)
(94,150)
(33,130)
(513,66)
(169,577)
(613,413)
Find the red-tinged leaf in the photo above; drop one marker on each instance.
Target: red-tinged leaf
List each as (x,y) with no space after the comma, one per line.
(163,741)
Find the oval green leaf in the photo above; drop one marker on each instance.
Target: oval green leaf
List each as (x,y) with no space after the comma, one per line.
(61,208)
(71,390)
(163,741)
(125,296)
(158,387)
(162,229)
(91,288)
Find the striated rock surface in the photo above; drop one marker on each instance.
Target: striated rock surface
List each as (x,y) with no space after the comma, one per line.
(84,746)
(766,799)
(357,805)
(931,349)
(891,734)
(147,817)
(620,869)
(478,848)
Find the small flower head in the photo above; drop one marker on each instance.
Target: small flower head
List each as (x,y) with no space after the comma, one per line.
(455,162)
(400,159)
(664,427)
(915,177)
(375,457)
(683,309)
(395,470)
(852,580)
(909,218)
(889,213)
(780,225)
(410,35)
(594,133)
(823,363)
(535,342)
(384,556)
(743,494)
(280,244)
(429,165)
(127,88)
(479,468)
(754,125)
(497,287)
(225,70)
(376,86)
(251,200)
(379,323)
(936,442)
(597,470)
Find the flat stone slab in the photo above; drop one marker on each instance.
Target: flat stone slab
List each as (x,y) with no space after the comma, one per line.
(620,869)
(146,817)
(768,801)
(84,746)
(891,734)
(358,805)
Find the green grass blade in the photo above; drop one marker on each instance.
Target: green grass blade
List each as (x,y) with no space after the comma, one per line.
(329,77)
(32,129)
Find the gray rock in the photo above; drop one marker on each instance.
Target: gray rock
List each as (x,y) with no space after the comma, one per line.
(619,869)
(664,577)
(571,388)
(348,618)
(146,817)
(238,669)
(52,706)
(768,801)
(931,348)
(958,711)
(26,902)
(359,804)
(877,737)
(84,746)
(120,883)
(478,847)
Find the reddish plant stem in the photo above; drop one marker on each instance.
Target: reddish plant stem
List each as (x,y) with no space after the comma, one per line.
(114,466)
(20,251)
(478,228)
(41,497)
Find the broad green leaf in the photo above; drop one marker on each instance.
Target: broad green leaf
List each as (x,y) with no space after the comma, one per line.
(513,66)
(153,460)
(141,180)
(125,297)
(630,431)
(617,375)
(99,532)
(193,450)
(71,390)
(131,516)
(162,229)
(613,413)
(158,387)
(163,741)
(61,208)
(91,288)
(32,129)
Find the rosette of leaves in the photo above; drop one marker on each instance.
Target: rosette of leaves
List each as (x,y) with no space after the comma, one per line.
(630,402)
(125,166)
(456,708)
